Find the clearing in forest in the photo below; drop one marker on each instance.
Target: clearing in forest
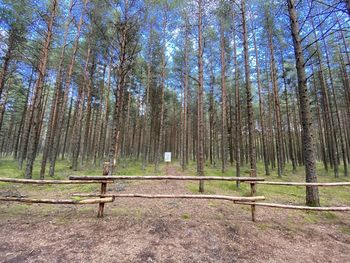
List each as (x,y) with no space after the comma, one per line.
(166,230)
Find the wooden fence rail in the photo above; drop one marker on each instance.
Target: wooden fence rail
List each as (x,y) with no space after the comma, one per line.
(299,207)
(217,197)
(304,184)
(167,177)
(58,201)
(31,181)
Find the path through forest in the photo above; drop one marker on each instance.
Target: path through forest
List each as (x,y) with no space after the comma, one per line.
(168,230)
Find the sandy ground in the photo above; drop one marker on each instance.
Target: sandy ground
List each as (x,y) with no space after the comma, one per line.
(168,230)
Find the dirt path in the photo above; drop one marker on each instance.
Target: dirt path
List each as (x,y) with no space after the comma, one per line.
(168,230)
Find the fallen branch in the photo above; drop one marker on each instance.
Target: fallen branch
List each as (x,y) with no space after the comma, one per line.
(54,201)
(298,207)
(219,197)
(167,177)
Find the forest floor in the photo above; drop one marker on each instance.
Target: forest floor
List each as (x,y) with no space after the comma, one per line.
(166,230)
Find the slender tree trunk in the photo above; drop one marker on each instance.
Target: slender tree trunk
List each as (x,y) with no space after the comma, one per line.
(7,59)
(67,128)
(338,121)
(106,116)
(251,145)
(329,120)
(261,110)
(238,131)
(290,138)
(61,108)
(200,125)
(312,196)
(35,125)
(162,102)
(185,126)
(223,100)
(3,102)
(53,117)
(88,117)
(278,125)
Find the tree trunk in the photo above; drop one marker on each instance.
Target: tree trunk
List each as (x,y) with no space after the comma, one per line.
(238,131)
(200,125)
(162,102)
(278,124)
(61,108)
(261,110)
(290,138)
(223,99)
(53,117)
(35,125)
(251,145)
(312,196)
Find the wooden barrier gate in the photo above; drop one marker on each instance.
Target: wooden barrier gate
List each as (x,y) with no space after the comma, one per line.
(104,197)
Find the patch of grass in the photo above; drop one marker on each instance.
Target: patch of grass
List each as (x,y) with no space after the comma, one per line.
(185,216)
(118,211)
(263,226)
(329,215)
(311,217)
(14,209)
(345,229)
(212,204)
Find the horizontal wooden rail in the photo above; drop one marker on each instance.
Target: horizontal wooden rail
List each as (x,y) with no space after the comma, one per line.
(30,181)
(58,201)
(168,177)
(299,207)
(219,197)
(304,184)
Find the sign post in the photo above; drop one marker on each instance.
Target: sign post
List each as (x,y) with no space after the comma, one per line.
(167,157)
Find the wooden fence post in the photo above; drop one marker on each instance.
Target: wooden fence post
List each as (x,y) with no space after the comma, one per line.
(103,189)
(253,192)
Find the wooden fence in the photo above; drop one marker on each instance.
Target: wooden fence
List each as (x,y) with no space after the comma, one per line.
(104,197)
(301,207)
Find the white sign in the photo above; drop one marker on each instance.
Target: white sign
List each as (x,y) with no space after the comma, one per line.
(167,156)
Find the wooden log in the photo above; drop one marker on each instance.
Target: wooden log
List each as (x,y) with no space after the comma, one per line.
(57,201)
(30,181)
(218,197)
(168,177)
(103,190)
(304,184)
(299,207)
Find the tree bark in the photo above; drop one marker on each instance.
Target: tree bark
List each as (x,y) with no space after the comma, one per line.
(261,109)
(223,99)
(312,195)
(53,117)
(200,125)
(251,145)
(35,125)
